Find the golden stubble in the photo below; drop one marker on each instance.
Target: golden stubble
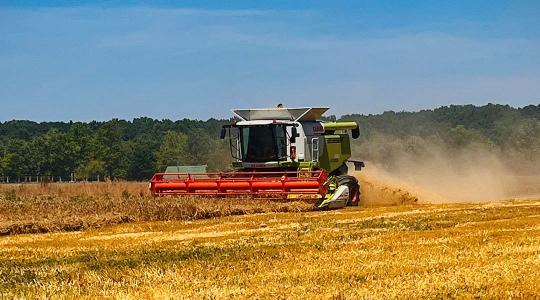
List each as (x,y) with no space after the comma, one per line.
(486,250)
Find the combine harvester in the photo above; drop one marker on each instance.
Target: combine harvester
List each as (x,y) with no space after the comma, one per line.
(282,153)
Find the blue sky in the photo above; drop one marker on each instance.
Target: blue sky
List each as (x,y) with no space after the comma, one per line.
(64,60)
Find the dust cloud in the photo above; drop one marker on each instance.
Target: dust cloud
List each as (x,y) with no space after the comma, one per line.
(439,175)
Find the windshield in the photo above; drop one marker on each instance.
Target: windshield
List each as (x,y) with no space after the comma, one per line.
(263,143)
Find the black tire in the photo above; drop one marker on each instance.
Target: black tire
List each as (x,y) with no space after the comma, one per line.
(354,189)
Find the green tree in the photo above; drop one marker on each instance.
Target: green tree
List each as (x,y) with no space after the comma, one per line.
(59,153)
(15,158)
(108,145)
(200,145)
(173,150)
(460,136)
(143,160)
(92,170)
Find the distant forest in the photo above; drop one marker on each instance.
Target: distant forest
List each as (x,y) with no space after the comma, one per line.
(134,150)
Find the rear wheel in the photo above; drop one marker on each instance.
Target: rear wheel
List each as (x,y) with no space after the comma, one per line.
(354,189)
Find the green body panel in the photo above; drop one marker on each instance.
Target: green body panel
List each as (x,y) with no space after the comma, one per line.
(336,151)
(309,165)
(331,126)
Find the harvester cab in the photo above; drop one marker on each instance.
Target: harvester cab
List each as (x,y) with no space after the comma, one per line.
(287,152)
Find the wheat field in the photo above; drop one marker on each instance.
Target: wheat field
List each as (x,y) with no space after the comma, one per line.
(482,250)
(35,208)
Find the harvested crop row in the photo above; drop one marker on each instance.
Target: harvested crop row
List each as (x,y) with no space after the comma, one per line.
(73,207)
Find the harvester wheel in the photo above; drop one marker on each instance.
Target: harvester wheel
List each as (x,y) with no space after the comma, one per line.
(354,189)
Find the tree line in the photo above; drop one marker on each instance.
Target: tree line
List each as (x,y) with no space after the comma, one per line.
(508,133)
(115,149)
(134,150)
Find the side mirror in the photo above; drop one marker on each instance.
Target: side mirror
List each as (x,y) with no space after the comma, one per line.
(356,133)
(294,134)
(223,132)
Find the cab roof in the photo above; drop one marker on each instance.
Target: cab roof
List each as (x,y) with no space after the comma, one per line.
(263,122)
(302,114)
